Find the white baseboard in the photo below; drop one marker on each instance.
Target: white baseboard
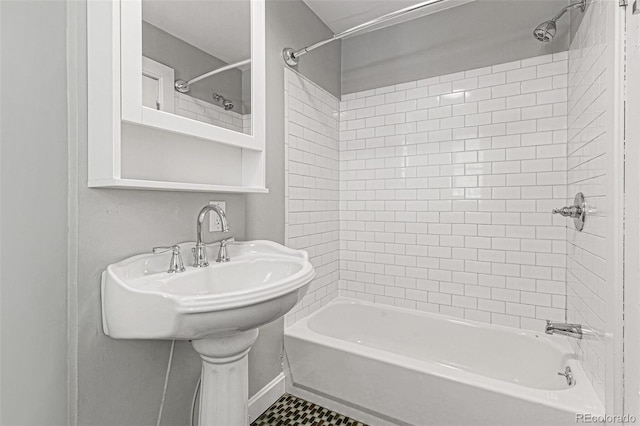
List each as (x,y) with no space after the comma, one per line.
(265,397)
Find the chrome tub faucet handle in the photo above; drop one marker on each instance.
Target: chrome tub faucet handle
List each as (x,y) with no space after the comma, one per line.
(570,211)
(578,211)
(568,375)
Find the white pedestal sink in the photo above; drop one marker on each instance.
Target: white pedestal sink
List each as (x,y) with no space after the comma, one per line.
(219,307)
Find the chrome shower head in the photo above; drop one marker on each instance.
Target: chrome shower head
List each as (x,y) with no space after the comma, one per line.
(226,103)
(545,31)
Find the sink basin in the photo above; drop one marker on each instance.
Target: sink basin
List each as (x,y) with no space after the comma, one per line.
(218,307)
(262,282)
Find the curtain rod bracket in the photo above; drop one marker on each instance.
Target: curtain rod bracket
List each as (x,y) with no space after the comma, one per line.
(181,86)
(289,57)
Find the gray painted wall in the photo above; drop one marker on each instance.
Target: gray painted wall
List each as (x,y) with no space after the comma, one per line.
(575,19)
(474,35)
(33,175)
(188,62)
(289,23)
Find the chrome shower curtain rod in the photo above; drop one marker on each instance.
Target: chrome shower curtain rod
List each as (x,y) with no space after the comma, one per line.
(291,57)
(183,86)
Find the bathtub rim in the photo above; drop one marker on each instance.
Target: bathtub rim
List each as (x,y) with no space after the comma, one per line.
(580,398)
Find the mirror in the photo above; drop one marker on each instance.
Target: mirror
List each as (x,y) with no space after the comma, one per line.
(137,137)
(196,60)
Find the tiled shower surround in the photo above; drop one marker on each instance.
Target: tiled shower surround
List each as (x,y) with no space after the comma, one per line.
(312,186)
(589,153)
(207,112)
(447,187)
(446,190)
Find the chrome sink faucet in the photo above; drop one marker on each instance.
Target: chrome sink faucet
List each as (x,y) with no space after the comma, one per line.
(200,250)
(570,330)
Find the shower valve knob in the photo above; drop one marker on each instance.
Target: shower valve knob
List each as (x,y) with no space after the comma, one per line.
(578,211)
(572,211)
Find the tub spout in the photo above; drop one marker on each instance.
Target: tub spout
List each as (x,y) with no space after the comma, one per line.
(570,330)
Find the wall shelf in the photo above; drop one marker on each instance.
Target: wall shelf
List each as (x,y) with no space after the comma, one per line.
(186,126)
(155,185)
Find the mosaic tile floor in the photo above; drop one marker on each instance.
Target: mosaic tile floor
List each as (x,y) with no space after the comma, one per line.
(292,411)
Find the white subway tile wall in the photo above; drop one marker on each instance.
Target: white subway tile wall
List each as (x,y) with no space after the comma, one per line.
(589,149)
(312,188)
(446,191)
(197,109)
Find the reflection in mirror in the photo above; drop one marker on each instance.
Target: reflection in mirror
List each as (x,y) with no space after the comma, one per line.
(198,53)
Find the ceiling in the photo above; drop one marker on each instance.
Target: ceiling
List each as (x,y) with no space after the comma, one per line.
(221,27)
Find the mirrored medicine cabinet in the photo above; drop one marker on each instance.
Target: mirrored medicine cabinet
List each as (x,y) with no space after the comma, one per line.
(177,94)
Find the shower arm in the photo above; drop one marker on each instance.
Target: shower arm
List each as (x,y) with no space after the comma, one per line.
(291,57)
(183,86)
(581,4)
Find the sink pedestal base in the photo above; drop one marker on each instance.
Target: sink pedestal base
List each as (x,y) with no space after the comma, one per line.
(225,381)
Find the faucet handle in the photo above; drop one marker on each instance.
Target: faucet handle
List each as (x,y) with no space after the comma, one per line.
(176,264)
(224,241)
(569,211)
(568,374)
(163,249)
(223,255)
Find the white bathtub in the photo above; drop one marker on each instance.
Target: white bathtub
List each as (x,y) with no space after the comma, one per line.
(387,365)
